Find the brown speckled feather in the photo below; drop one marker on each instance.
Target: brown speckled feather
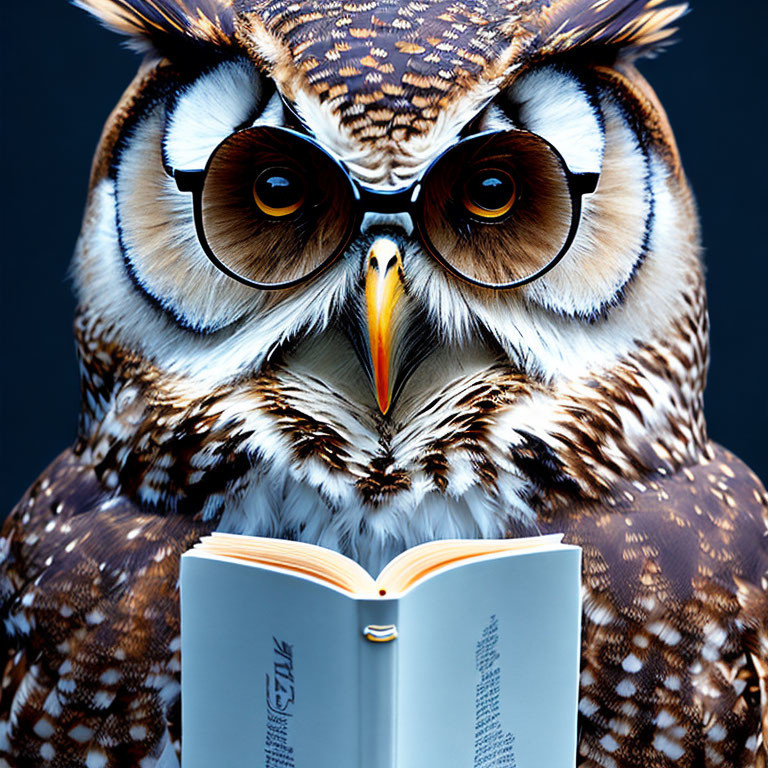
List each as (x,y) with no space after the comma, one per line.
(91,621)
(672,566)
(383,61)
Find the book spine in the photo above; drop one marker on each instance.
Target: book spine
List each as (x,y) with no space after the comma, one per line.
(379,646)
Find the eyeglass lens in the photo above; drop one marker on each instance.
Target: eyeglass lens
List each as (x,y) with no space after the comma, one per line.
(274,210)
(499,209)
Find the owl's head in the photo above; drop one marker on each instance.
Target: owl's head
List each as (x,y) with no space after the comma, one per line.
(347,222)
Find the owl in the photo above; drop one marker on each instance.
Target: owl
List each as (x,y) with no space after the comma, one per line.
(368,273)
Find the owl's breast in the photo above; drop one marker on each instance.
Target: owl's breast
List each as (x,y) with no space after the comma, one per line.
(334,470)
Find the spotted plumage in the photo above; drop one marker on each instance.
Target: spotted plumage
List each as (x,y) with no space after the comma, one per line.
(385,402)
(391,69)
(93,603)
(671,674)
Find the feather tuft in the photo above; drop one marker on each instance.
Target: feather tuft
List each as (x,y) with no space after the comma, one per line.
(642,26)
(155,23)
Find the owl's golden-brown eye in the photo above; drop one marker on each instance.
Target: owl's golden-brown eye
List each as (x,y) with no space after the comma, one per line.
(489,193)
(278,192)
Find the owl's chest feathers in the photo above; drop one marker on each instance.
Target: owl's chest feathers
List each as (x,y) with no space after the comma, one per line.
(290,453)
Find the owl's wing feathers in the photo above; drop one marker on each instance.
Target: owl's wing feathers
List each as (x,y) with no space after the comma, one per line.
(156,21)
(675,616)
(90,624)
(754,604)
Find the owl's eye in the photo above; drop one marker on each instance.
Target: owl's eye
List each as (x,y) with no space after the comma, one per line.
(278,192)
(489,193)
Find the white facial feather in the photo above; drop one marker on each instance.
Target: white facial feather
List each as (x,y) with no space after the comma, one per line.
(273,113)
(494,118)
(614,227)
(556,106)
(158,237)
(208,110)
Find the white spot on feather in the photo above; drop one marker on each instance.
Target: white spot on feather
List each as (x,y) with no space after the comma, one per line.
(81,733)
(665,719)
(43,728)
(95,759)
(631,664)
(668,747)
(110,677)
(626,688)
(716,733)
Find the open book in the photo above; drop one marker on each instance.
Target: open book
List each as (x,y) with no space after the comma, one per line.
(462,654)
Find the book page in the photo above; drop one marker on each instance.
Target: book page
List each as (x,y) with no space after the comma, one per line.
(297,556)
(420,562)
(489,662)
(269,668)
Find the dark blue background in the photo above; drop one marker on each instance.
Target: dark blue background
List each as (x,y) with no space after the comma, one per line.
(62,74)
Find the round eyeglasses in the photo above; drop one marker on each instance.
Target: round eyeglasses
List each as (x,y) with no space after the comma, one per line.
(273,209)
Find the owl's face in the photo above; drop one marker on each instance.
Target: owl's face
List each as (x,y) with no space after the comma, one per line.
(295,216)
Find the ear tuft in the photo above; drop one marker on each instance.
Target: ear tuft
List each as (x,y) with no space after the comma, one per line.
(160,23)
(639,26)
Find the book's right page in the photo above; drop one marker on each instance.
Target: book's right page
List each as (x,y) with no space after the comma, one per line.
(489,664)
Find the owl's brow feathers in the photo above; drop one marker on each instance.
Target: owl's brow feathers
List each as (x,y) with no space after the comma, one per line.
(387,62)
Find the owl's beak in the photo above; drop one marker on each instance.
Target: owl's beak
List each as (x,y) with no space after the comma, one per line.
(383,293)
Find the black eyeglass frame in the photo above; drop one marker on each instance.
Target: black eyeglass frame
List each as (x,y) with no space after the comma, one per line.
(409,200)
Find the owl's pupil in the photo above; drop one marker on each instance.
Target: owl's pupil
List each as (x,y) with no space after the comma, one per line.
(491,190)
(278,191)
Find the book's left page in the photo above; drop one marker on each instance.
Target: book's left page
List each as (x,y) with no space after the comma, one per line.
(269,668)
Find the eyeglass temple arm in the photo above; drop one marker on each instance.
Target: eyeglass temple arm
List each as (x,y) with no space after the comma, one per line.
(585,183)
(188,181)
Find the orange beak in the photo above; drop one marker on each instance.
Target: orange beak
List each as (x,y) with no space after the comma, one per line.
(383,291)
